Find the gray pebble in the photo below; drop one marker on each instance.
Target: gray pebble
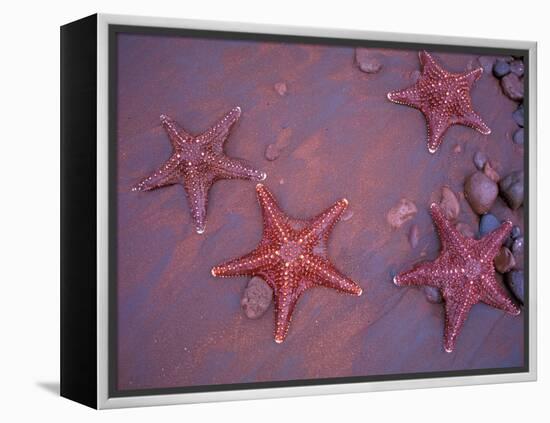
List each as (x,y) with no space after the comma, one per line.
(518,137)
(518,116)
(480,158)
(511,189)
(488,223)
(515,282)
(501,68)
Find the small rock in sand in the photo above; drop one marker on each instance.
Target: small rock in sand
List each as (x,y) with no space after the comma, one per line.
(449,203)
(401,213)
(504,261)
(517,67)
(272,152)
(491,173)
(480,158)
(413,236)
(518,137)
(256,298)
(488,223)
(511,189)
(515,282)
(281,88)
(501,68)
(512,86)
(367,61)
(481,192)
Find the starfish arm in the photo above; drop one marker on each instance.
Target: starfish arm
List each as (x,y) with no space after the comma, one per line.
(437,125)
(495,295)
(254,263)
(217,134)
(408,96)
(231,168)
(490,244)
(472,76)
(176,133)
(165,175)
(426,273)
(456,314)
(450,237)
(285,301)
(430,68)
(322,225)
(275,221)
(325,274)
(197,187)
(473,120)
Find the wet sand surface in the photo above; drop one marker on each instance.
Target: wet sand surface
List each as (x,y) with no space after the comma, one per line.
(179,326)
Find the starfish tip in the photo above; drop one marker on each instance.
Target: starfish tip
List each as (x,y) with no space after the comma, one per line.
(213,272)
(432,150)
(259,187)
(263,176)
(390,95)
(448,350)
(360,292)
(345,201)
(278,340)
(395,281)
(200,230)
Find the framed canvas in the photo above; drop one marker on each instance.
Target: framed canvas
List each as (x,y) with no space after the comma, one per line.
(254,211)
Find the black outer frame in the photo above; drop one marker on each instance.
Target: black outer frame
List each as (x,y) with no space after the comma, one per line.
(113,30)
(79,211)
(79,278)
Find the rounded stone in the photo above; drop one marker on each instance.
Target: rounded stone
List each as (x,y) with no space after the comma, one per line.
(401,213)
(367,60)
(518,116)
(256,298)
(512,86)
(516,232)
(504,261)
(488,223)
(480,158)
(518,137)
(449,203)
(272,152)
(517,67)
(501,68)
(511,189)
(481,192)
(515,282)
(518,251)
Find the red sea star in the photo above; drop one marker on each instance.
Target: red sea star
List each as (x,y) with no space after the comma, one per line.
(443,97)
(197,162)
(464,273)
(291,258)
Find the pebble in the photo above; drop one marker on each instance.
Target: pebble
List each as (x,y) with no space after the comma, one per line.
(514,280)
(516,232)
(517,251)
(518,116)
(256,298)
(501,68)
(517,67)
(486,63)
(401,213)
(414,236)
(449,203)
(348,214)
(504,261)
(480,158)
(433,294)
(465,229)
(488,223)
(457,149)
(481,192)
(518,137)
(512,87)
(511,189)
(272,152)
(281,88)
(367,61)
(491,173)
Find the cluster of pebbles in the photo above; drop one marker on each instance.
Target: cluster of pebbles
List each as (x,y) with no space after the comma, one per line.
(509,71)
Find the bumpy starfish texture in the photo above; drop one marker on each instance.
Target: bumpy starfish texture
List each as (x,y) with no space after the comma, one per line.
(291,258)
(443,98)
(464,272)
(197,162)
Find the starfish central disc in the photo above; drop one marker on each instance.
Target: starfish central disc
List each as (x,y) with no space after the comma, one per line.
(290,251)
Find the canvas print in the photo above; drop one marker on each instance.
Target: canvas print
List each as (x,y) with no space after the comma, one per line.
(293,210)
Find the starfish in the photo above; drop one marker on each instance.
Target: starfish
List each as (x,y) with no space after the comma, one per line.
(444,99)
(464,272)
(291,257)
(197,162)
